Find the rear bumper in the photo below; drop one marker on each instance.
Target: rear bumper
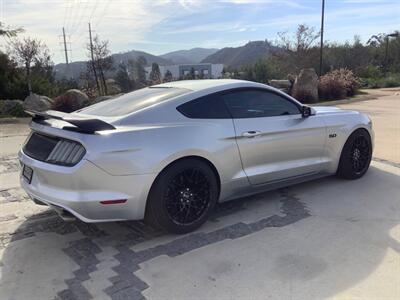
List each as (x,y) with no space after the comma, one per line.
(80,189)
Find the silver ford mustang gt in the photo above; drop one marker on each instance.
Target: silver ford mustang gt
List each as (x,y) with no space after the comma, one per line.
(170,152)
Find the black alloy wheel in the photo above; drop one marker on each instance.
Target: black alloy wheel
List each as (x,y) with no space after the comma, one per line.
(182,196)
(356,155)
(360,154)
(187,196)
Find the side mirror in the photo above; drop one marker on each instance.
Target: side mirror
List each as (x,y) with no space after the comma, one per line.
(307,111)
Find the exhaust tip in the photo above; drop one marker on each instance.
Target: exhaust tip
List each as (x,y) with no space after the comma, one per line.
(64,214)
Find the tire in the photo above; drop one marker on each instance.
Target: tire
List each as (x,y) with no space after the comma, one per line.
(182,196)
(356,155)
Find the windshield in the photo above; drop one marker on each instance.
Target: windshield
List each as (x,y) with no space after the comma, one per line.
(133,101)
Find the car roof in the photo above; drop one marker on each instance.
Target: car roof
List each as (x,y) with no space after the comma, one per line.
(197,85)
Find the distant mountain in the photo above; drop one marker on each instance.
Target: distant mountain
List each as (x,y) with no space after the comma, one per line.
(243,55)
(76,68)
(192,56)
(133,54)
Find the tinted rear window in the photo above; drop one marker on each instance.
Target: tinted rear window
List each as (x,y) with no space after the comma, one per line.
(208,107)
(133,101)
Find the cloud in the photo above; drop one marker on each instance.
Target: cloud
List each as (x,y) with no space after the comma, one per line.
(276,2)
(162,25)
(367,1)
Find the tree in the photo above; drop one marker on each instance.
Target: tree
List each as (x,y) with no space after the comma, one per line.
(297,51)
(8,31)
(103,61)
(138,72)
(168,76)
(192,73)
(303,39)
(122,78)
(155,74)
(12,79)
(29,51)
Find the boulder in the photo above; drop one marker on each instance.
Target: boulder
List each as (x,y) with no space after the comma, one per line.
(12,108)
(112,87)
(37,102)
(283,85)
(305,87)
(78,97)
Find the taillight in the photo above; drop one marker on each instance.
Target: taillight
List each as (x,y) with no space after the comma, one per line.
(67,153)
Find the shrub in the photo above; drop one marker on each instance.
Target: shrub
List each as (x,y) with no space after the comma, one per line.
(370,71)
(330,87)
(65,103)
(393,80)
(338,84)
(12,108)
(304,96)
(390,80)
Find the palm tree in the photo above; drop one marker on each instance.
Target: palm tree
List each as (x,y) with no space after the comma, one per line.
(9,32)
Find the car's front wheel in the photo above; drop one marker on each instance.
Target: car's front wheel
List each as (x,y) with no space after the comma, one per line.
(356,155)
(183,196)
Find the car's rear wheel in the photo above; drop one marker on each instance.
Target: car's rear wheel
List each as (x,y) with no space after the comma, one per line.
(356,155)
(183,196)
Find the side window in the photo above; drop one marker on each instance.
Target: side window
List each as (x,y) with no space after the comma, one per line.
(258,104)
(207,107)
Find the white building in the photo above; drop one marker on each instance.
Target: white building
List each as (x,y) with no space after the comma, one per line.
(200,70)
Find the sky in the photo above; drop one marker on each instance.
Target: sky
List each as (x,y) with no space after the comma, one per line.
(161,26)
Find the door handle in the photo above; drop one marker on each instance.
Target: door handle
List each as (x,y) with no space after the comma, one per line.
(251,133)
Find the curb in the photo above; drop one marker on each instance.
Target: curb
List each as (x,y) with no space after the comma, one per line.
(347,100)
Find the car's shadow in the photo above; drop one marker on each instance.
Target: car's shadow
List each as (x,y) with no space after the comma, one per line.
(47,258)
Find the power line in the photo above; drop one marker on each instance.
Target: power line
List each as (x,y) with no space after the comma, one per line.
(77,35)
(103,13)
(69,15)
(76,16)
(67,6)
(81,17)
(93,10)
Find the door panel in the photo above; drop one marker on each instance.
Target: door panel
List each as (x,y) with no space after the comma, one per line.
(284,146)
(274,140)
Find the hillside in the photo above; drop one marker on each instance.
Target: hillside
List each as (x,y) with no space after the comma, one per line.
(243,55)
(80,66)
(192,56)
(133,54)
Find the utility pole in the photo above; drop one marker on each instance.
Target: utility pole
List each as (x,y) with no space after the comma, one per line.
(322,38)
(64,42)
(92,56)
(388,36)
(65,47)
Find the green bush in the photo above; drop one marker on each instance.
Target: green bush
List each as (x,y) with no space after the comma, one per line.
(338,84)
(390,80)
(12,108)
(370,71)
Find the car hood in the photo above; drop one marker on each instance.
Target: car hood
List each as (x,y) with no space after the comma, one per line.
(327,109)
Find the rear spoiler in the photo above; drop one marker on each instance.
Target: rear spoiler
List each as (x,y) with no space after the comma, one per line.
(82,124)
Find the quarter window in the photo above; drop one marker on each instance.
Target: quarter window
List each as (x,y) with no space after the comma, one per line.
(132,102)
(258,104)
(208,107)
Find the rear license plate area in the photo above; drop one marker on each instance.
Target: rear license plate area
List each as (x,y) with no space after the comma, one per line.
(27,173)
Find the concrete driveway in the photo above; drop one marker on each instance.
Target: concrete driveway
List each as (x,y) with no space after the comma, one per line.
(329,238)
